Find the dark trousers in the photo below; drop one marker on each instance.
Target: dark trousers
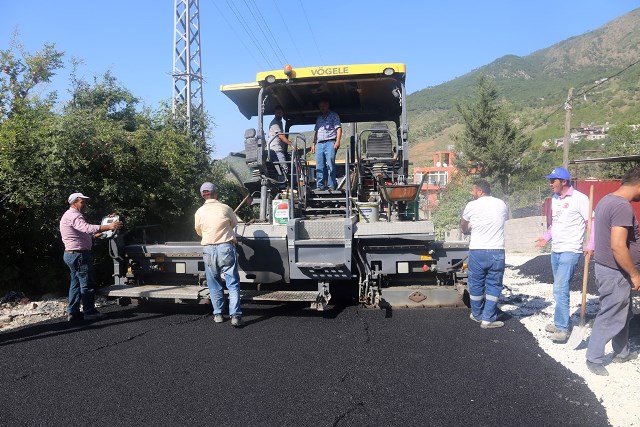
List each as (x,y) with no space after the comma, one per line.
(612,321)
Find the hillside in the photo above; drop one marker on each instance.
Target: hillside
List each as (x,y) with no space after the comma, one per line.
(537,84)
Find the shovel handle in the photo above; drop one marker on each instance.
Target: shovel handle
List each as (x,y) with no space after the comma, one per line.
(587,258)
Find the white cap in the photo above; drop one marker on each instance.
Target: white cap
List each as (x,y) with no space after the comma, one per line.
(208,187)
(75,196)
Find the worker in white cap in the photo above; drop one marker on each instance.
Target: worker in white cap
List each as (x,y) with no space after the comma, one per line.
(77,236)
(215,223)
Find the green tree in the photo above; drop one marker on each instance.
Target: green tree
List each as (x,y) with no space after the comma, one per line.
(139,164)
(446,216)
(491,145)
(21,71)
(621,140)
(143,165)
(26,125)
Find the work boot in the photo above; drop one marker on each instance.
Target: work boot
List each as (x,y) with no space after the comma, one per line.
(236,321)
(559,336)
(472,317)
(550,328)
(93,315)
(491,325)
(597,368)
(218,318)
(74,317)
(631,356)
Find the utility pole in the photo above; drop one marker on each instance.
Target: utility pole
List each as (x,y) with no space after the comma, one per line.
(567,129)
(187,72)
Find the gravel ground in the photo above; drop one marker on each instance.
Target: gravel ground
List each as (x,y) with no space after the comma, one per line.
(527,297)
(21,311)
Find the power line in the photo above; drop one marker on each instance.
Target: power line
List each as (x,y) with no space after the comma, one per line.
(602,81)
(252,36)
(311,31)
(584,92)
(236,33)
(286,27)
(270,37)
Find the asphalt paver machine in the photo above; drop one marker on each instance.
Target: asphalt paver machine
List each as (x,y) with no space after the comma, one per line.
(364,238)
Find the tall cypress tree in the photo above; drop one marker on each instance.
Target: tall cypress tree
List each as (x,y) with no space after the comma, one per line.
(492,144)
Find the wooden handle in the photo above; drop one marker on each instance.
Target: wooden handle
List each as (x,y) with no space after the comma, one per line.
(589,215)
(587,258)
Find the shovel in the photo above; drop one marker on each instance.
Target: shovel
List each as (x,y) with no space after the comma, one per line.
(578,332)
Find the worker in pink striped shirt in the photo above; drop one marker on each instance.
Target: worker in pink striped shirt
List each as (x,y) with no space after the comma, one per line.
(77,236)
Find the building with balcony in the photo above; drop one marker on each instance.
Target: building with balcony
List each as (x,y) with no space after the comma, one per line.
(436,178)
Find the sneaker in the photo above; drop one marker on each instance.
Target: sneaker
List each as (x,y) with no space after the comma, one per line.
(236,321)
(93,315)
(472,317)
(74,317)
(218,318)
(631,356)
(559,336)
(550,327)
(597,368)
(491,325)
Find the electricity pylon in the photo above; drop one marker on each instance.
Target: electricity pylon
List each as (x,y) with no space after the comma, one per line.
(187,71)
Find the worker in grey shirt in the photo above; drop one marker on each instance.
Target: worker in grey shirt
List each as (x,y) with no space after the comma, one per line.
(617,245)
(278,141)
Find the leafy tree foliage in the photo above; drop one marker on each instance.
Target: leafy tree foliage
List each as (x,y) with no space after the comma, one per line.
(491,144)
(446,216)
(140,164)
(26,127)
(621,140)
(20,72)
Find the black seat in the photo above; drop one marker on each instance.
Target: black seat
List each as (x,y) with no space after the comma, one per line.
(379,142)
(250,147)
(252,152)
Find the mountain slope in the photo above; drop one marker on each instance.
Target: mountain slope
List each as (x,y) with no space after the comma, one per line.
(537,84)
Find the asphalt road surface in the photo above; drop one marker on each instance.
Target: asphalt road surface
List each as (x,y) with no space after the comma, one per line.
(288,366)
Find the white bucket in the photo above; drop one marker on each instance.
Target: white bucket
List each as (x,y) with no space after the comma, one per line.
(280,212)
(368,211)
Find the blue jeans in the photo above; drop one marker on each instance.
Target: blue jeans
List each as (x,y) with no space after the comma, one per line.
(81,287)
(563,265)
(325,163)
(486,269)
(222,260)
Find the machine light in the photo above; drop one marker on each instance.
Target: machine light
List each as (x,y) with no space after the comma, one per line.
(181,267)
(271,78)
(288,70)
(388,71)
(403,267)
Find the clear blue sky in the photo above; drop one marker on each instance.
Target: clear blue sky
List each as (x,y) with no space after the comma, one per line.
(438,41)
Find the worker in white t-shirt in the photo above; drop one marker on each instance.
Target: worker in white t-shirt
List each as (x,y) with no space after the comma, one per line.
(570,213)
(484,219)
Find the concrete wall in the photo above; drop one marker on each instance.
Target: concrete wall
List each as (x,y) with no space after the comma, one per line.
(520,234)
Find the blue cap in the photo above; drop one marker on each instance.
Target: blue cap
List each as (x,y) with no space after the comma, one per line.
(560,173)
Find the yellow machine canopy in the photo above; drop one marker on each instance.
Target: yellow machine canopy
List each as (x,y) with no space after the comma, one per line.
(358,93)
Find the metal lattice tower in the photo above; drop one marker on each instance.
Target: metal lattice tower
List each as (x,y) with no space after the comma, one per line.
(187,72)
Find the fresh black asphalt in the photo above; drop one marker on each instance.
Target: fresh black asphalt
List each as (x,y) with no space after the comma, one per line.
(288,366)
(539,269)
